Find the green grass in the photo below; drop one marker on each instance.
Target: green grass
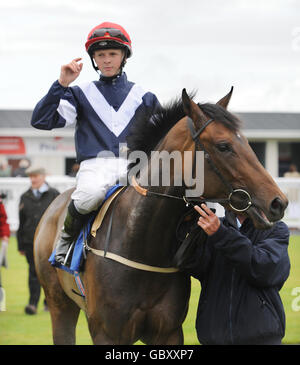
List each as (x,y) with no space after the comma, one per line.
(17,328)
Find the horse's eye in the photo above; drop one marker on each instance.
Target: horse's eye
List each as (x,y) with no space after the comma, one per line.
(224,147)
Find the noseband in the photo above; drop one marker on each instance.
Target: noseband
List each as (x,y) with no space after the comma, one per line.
(235,197)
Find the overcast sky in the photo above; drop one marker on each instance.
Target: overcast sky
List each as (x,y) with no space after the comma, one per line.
(207,45)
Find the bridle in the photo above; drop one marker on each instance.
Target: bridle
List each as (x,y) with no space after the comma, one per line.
(233,193)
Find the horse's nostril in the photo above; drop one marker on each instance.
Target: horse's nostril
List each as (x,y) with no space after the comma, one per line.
(276,204)
(277,208)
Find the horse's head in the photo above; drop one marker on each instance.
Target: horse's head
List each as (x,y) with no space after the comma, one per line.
(230,154)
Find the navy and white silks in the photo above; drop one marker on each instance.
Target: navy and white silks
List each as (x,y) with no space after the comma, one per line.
(103,113)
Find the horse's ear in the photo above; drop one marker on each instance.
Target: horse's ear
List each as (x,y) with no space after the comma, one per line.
(186,102)
(192,110)
(225,100)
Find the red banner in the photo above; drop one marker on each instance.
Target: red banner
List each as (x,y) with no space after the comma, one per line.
(12,146)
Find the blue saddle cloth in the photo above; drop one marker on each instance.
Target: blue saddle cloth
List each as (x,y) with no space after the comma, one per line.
(77,255)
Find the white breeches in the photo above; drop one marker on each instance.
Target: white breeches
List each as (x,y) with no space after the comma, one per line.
(94,178)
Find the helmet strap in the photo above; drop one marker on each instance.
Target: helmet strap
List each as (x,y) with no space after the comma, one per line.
(123,63)
(93,64)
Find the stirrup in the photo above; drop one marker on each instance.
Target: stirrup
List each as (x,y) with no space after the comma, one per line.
(68,253)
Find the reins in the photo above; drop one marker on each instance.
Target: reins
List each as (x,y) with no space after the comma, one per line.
(186,200)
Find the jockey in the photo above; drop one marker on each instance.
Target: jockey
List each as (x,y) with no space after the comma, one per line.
(103,111)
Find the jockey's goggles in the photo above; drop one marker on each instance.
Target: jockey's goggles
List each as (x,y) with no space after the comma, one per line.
(116,33)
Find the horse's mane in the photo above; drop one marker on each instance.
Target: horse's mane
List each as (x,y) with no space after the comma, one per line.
(146,133)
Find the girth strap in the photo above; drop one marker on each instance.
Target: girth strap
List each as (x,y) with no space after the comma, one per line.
(127,262)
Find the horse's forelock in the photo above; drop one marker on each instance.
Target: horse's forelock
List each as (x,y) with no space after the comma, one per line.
(221,115)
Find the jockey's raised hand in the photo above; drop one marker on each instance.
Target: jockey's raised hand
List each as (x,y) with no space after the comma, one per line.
(70,72)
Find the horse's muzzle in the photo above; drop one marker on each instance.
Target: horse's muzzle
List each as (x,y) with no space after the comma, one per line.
(277,208)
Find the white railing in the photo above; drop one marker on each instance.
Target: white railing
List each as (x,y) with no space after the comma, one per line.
(291,188)
(15,187)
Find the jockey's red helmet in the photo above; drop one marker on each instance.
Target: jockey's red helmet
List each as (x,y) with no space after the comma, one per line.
(108,35)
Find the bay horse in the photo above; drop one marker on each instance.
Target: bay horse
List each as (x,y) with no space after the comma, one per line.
(125,304)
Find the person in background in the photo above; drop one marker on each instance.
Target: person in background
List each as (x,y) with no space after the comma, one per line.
(21,170)
(5,168)
(293,171)
(241,270)
(4,233)
(33,204)
(4,237)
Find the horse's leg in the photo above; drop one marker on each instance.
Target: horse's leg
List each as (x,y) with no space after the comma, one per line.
(118,327)
(64,311)
(99,336)
(106,327)
(174,337)
(164,325)
(163,336)
(64,315)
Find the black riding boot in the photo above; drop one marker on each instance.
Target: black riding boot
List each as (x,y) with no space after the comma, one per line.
(74,221)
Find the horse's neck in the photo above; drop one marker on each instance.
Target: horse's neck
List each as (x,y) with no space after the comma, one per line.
(152,226)
(152,220)
(162,211)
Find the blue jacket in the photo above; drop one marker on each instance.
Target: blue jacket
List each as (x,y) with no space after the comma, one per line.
(102,110)
(241,273)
